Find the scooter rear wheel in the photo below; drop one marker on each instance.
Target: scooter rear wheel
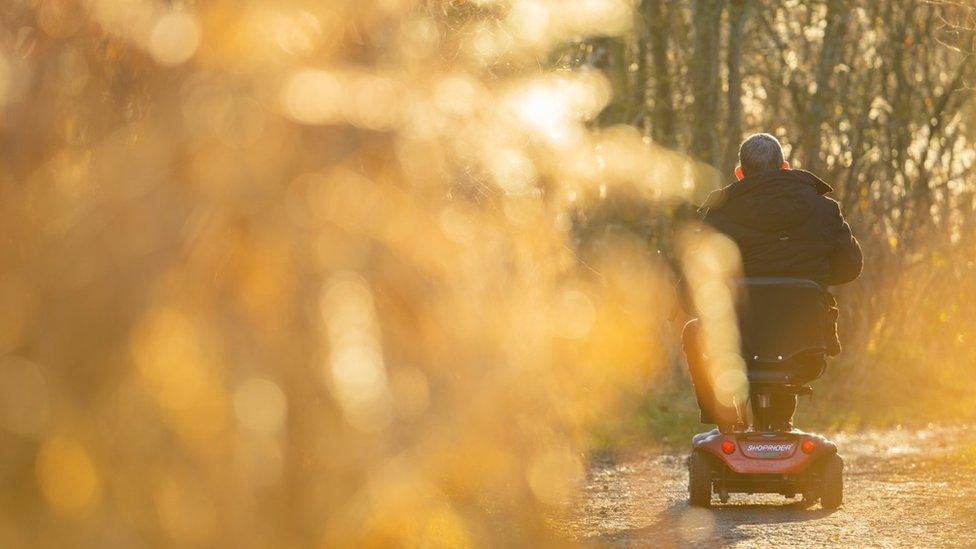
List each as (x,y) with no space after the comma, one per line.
(832,491)
(699,479)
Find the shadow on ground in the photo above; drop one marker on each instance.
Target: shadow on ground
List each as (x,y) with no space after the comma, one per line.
(679,524)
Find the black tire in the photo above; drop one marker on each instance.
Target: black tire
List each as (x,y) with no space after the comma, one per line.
(832,490)
(699,479)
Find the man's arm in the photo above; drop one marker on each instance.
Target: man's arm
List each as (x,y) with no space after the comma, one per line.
(845,255)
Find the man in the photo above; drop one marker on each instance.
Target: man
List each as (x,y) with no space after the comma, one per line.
(783,226)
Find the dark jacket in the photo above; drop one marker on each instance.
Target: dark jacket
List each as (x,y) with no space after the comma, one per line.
(783,225)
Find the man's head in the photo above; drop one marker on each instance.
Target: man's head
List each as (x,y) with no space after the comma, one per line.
(759,153)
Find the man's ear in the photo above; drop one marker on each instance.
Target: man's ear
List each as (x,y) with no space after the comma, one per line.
(739,174)
(786,165)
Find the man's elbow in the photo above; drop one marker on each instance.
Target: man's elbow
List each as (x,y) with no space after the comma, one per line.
(843,274)
(846,267)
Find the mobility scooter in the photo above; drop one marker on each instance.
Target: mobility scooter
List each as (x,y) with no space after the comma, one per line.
(782,327)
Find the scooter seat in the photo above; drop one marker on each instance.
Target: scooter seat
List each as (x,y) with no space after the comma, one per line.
(795,370)
(782,323)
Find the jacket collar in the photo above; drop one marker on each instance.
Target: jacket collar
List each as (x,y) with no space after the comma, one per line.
(717,198)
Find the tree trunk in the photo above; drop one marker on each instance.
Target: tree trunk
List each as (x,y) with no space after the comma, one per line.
(706,22)
(838,16)
(610,56)
(659,39)
(639,84)
(738,13)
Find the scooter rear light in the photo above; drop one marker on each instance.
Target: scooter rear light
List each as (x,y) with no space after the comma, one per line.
(808,446)
(728,446)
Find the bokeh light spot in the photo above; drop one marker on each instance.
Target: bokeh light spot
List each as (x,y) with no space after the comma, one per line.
(67,476)
(311,96)
(175,38)
(356,372)
(260,405)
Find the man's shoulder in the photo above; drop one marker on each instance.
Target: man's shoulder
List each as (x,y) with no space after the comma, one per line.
(819,185)
(716,198)
(828,204)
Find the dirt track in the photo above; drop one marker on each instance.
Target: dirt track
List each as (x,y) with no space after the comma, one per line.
(902,489)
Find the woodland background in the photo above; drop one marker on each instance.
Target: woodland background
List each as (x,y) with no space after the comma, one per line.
(876,98)
(304,273)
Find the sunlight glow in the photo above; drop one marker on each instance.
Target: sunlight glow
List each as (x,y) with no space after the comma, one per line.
(355,371)
(711,261)
(260,405)
(174,38)
(68,478)
(553,108)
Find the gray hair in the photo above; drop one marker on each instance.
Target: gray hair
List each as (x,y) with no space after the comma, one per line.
(760,152)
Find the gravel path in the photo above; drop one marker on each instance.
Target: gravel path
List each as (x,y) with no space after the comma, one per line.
(902,488)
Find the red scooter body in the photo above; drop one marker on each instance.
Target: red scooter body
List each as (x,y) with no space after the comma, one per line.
(782,325)
(771,462)
(785,453)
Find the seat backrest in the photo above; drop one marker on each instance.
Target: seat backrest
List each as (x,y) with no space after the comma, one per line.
(781,318)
